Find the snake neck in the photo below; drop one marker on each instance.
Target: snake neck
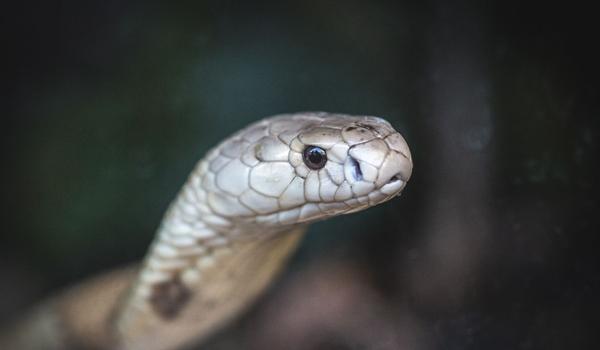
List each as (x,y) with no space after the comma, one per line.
(201,270)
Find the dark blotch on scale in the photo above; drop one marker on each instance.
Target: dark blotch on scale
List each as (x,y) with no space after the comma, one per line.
(169,297)
(366,126)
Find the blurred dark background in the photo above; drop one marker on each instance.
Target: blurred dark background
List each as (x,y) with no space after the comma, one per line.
(107,105)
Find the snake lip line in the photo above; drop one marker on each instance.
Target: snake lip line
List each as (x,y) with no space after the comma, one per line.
(391,189)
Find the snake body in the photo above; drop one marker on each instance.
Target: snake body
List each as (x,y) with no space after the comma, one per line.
(235,221)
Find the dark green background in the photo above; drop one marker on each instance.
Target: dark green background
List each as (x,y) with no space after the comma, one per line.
(107,105)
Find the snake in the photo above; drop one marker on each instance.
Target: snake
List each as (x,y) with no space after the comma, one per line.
(228,233)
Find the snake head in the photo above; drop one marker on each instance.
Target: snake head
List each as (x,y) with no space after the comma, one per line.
(298,168)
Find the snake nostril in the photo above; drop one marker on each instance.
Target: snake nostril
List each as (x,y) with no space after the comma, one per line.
(394,178)
(357,172)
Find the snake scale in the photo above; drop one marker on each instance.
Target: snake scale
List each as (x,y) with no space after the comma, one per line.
(230,230)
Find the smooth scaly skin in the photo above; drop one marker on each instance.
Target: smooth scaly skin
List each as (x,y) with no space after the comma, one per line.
(227,234)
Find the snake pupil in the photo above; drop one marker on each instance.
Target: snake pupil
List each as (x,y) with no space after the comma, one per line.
(315,157)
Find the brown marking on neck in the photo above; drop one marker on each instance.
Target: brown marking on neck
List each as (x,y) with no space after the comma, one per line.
(169,297)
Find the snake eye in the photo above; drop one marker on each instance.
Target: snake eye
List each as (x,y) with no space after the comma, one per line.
(314,157)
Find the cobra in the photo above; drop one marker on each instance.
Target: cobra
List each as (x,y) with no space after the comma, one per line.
(228,233)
